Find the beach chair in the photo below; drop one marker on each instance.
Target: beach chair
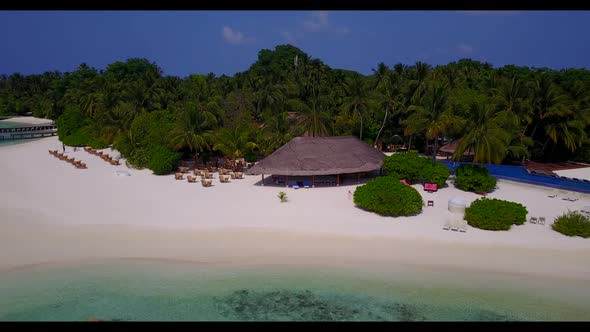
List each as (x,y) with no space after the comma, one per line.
(463,227)
(223,179)
(575,197)
(206,183)
(553,194)
(533,220)
(454,226)
(232,175)
(447,225)
(306,184)
(178,176)
(430,187)
(541,220)
(430,203)
(197,172)
(294,185)
(191,179)
(239,175)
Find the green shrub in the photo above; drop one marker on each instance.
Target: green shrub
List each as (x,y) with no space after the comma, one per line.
(123,144)
(69,122)
(474,178)
(495,214)
(387,196)
(162,160)
(85,136)
(572,223)
(411,166)
(435,173)
(138,158)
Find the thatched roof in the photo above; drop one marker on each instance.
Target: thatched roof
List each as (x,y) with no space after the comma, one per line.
(452,147)
(320,156)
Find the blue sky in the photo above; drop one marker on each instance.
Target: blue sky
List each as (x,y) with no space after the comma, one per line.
(226,42)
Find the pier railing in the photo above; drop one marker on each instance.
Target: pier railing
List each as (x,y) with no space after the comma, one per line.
(33,131)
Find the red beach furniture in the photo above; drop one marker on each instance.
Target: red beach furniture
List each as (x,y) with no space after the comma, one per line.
(430,187)
(404,181)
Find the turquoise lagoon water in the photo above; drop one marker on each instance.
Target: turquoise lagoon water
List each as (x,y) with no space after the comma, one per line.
(143,290)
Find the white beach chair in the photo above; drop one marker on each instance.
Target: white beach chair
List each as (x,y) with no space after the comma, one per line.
(447,225)
(575,197)
(541,220)
(553,194)
(533,220)
(463,227)
(454,226)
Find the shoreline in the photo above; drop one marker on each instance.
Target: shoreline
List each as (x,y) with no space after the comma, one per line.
(55,213)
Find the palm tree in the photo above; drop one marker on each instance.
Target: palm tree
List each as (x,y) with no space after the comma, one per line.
(233,142)
(487,133)
(192,129)
(357,98)
(432,115)
(390,97)
(313,120)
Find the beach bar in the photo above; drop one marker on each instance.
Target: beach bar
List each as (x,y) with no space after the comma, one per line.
(319,160)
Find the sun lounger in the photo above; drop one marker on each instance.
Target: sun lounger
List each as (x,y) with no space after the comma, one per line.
(454,227)
(306,184)
(178,176)
(447,225)
(533,220)
(553,194)
(294,185)
(430,187)
(541,220)
(463,226)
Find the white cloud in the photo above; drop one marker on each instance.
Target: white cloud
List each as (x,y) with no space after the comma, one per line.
(235,37)
(465,49)
(315,22)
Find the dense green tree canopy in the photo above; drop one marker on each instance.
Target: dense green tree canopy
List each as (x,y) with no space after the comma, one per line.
(505,114)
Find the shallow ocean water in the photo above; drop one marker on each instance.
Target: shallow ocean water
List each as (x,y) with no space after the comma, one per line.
(150,290)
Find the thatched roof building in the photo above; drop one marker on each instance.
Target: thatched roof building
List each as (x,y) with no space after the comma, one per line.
(308,156)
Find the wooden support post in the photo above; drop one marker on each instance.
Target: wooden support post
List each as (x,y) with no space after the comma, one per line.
(313,181)
(358,178)
(263,179)
(286,181)
(337,180)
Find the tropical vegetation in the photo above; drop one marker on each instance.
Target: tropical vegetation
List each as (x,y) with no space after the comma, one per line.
(387,196)
(504,114)
(495,214)
(413,168)
(572,223)
(474,178)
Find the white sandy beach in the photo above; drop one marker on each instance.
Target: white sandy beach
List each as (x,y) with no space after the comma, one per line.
(53,212)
